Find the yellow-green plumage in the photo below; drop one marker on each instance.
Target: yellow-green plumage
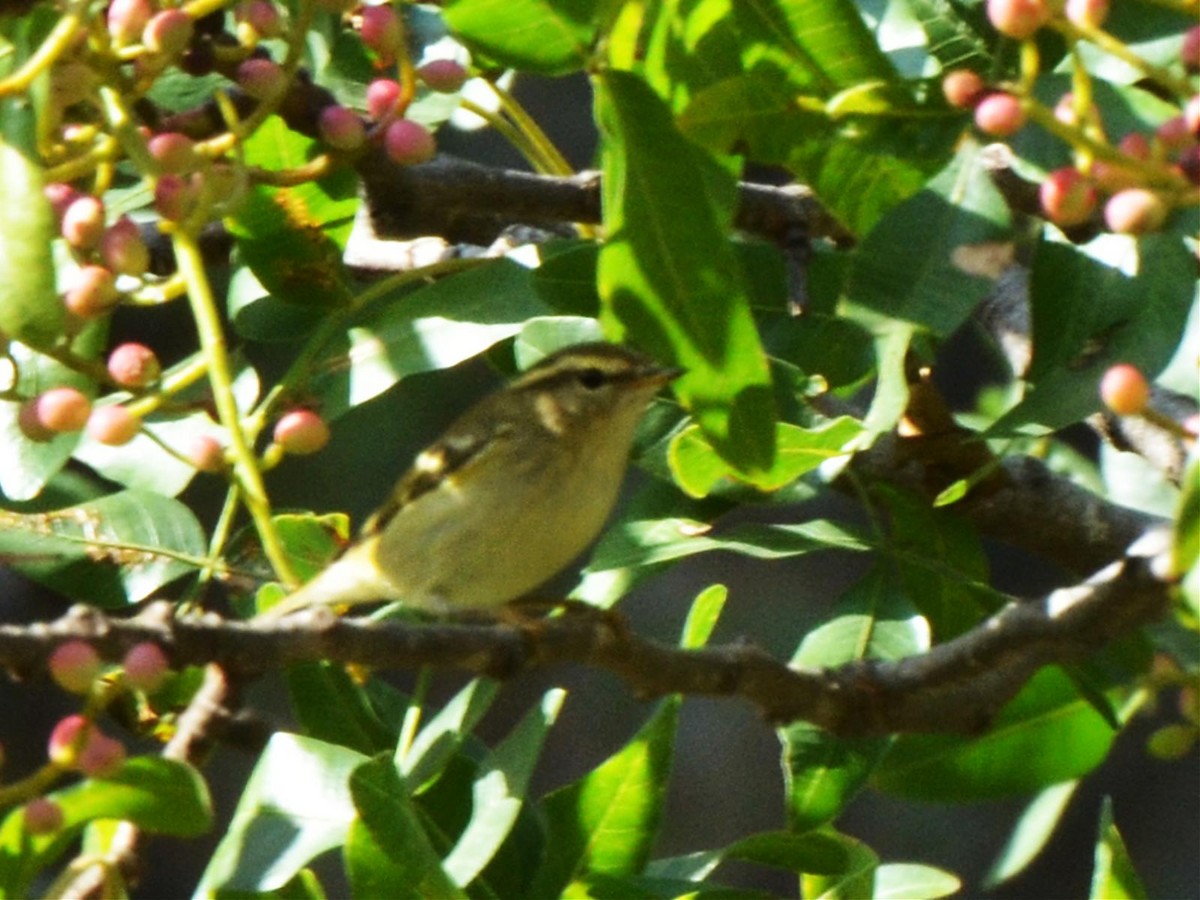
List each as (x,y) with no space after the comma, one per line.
(514,490)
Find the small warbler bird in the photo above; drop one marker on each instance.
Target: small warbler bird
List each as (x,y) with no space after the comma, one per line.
(514,490)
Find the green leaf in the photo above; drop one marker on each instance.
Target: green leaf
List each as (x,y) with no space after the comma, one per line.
(295,806)
(668,271)
(952,39)
(546,37)
(30,310)
(27,466)
(1116,300)
(1031,833)
(442,736)
(607,821)
(110,551)
(1113,877)
(822,772)
(906,881)
(935,285)
(331,706)
(1186,550)
(158,795)
(1045,735)
(388,853)
(435,327)
(702,616)
(698,469)
(498,793)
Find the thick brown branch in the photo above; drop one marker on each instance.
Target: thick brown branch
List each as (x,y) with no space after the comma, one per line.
(957,686)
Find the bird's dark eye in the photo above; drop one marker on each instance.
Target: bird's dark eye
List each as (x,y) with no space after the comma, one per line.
(591,378)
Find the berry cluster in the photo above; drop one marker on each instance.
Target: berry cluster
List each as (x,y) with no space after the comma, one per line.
(1140,177)
(101,115)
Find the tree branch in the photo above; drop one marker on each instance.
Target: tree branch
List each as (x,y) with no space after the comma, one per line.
(956,686)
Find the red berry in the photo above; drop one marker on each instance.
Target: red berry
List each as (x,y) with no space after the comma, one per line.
(123,249)
(260,15)
(1174,134)
(301,432)
(1018,18)
(67,739)
(101,756)
(30,425)
(261,79)
(963,88)
(42,816)
(1135,211)
(62,409)
(382,95)
(443,75)
(83,222)
(1067,197)
(127,19)
(1191,115)
(146,667)
(1087,13)
(74,666)
(408,142)
(381,32)
(1189,52)
(999,115)
(133,365)
(174,197)
(92,292)
(341,128)
(61,195)
(113,425)
(169,32)
(174,152)
(205,453)
(1189,164)
(1124,390)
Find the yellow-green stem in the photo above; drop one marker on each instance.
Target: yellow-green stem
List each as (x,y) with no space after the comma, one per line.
(57,42)
(212,345)
(1118,48)
(555,163)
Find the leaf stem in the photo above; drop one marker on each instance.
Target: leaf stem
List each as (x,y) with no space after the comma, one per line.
(212,345)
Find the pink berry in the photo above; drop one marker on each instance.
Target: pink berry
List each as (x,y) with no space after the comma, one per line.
(113,425)
(61,195)
(1087,13)
(443,75)
(62,409)
(382,95)
(408,142)
(174,152)
(101,756)
(204,452)
(123,249)
(1174,134)
(1018,18)
(146,667)
(133,365)
(1135,211)
(83,222)
(74,666)
(67,739)
(260,15)
(174,197)
(1191,115)
(341,128)
(261,79)
(1124,389)
(963,88)
(1067,197)
(999,115)
(42,816)
(92,292)
(1189,52)
(168,33)
(301,431)
(127,19)
(381,32)
(31,426)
